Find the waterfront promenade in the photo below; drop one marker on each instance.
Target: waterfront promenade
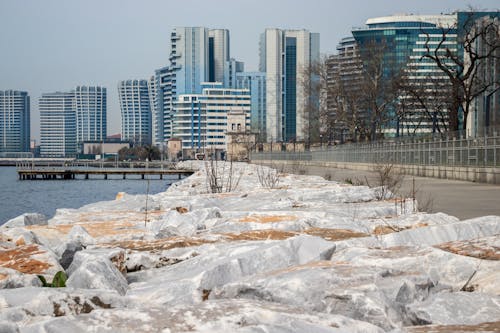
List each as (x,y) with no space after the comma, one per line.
(458,198)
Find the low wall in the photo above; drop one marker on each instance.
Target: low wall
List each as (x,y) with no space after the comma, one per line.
(472,174)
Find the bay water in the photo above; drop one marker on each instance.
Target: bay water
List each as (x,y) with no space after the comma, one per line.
(45,196)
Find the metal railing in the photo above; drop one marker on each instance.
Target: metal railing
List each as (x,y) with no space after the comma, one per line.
(464,152)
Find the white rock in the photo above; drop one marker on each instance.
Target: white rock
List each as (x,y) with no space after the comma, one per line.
(7,327)
(212,316)
(469,229)
(21,236)
(26,220)
(115,255)
(456,308)
(79,234)
(98,273)
(10,278)
(224,263)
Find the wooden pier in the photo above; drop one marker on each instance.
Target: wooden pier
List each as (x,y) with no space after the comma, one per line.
(41,173)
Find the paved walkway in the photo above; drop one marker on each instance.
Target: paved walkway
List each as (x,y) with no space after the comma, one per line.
(458,198)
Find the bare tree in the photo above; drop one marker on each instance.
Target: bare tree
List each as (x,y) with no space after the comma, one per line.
(478,40)
(380,82)
(424,102)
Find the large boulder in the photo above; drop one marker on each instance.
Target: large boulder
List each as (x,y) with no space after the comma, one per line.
(79,234)
(241,316)
(25,305)
(10,278)
(180,223)
(20,236)
(455,309)
(190,280)
(30,259)
(7,327)
(98,269)
(26,219)
(77,239)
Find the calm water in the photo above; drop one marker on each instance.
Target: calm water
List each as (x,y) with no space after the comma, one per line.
(45,196)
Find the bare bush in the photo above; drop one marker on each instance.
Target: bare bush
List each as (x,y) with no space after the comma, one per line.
(422,202)
(268,177)
(388,181)
(298,168)
(221,176)
(356,182)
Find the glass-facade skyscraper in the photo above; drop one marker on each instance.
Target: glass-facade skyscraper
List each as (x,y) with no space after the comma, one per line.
(14,121)
(284,55)
(255,82)
(135,111)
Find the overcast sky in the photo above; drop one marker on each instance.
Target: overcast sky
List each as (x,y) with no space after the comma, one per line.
(54,45)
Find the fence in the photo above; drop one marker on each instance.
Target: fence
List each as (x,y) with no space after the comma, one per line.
(463,152)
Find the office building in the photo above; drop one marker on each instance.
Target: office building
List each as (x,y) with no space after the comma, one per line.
(135,111)
(401,40)
(284,56)
(58,124)
(91,110)
(484,117)
(201,119)
(14,121)
(218,54)
(255,82)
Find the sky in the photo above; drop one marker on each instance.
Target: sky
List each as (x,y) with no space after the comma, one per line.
(55,45)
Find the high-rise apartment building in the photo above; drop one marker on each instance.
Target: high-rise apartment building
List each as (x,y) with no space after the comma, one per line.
(284,56)
(255,82)
(91,110)
(344,76)
(231,69)
(201,119)
(156,122)
(135,111)
(197,55)
(58,124)
(14,121)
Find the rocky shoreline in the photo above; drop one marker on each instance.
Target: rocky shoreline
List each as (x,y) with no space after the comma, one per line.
(300,255)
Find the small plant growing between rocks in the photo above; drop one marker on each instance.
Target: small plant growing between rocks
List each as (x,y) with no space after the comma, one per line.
(59,280)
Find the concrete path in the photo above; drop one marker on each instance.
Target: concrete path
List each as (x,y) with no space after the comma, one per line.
(458,198)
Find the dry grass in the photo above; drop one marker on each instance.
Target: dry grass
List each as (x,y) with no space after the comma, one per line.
(98,228)
(259,235)
(268,218)
(389,229)
(158,245)
(474,248)
(334,234)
